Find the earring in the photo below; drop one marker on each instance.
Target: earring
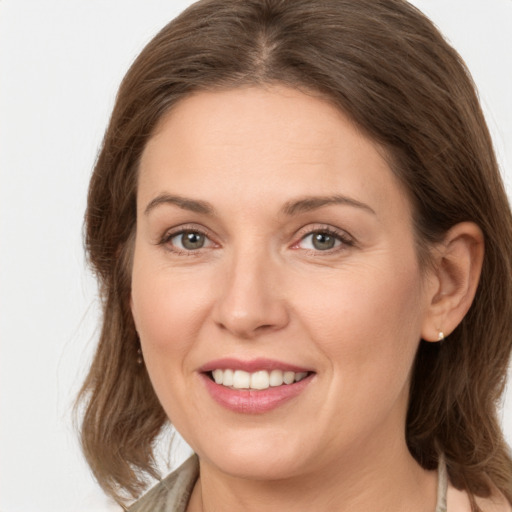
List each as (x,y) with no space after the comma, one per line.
(140,359)
(441,336)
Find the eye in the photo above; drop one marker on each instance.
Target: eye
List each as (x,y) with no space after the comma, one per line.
(323,240)
(187,240)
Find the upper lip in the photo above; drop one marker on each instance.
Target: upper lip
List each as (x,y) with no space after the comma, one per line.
(251,366)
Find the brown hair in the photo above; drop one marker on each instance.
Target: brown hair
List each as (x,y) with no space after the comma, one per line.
(388,68)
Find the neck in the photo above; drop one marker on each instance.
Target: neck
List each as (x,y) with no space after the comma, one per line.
(384,479)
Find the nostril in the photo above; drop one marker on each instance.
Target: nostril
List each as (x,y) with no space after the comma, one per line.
(266,327)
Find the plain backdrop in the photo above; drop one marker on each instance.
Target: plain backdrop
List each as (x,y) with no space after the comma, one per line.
(61,62)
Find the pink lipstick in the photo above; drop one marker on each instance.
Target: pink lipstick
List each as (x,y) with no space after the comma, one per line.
(256,386)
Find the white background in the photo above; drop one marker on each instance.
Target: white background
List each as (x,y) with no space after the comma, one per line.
(61,62)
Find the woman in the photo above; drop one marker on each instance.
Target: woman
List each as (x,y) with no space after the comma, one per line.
(304,250)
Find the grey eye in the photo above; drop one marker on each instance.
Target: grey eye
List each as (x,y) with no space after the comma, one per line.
(320,241)
(323,241)
(189,240)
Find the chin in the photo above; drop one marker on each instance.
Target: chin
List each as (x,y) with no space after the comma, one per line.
(258,459)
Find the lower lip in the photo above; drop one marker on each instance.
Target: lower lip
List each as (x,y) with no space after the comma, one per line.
(252,401)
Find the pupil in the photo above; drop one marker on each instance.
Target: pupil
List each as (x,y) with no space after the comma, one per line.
(192,240)
(323,241)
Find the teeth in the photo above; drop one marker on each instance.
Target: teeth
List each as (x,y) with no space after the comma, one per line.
(289,377)
(227,379)
(239,379)
(218,376)
(260,380)
(276,378)
(300,376)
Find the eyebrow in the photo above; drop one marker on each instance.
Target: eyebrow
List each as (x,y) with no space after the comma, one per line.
(184,203)
(290,208)
(309,203)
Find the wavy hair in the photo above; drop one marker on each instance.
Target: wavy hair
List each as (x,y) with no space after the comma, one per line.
(386,66)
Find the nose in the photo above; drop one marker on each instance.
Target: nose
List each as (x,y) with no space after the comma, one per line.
(251,301)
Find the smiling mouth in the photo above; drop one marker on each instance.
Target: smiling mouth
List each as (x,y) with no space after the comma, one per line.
(259,380)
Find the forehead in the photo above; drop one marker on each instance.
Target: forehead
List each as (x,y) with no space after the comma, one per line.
(303,122)
(234,145)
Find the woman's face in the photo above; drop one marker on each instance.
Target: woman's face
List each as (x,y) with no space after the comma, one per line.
(273,242)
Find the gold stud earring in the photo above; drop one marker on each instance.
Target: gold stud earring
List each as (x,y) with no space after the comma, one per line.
(140,359)
(440,336)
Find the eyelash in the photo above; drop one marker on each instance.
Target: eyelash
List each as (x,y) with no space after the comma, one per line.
(343,238)
(168,236)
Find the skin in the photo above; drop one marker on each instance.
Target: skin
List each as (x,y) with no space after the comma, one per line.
(258,287)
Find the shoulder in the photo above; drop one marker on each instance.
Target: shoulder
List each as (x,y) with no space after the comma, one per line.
(172,493)
(458,501)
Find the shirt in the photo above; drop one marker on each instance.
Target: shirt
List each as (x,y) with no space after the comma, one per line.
(173,492)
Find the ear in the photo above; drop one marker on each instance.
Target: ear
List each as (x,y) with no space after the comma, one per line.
(453,282)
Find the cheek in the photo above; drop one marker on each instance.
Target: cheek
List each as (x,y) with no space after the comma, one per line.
(167,307)
(368,331)
(367,322)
